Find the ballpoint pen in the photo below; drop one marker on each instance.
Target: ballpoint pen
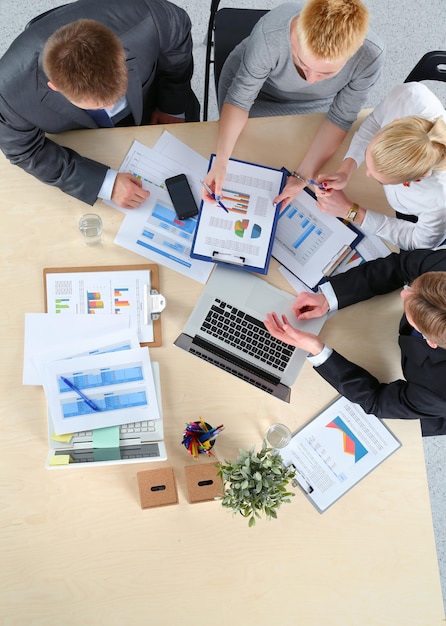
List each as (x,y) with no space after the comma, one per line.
(90,403)
(316,184)
(211,193)
(307,181)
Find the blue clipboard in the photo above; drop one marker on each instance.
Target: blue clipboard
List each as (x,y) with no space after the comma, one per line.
(358,236)
(236,259)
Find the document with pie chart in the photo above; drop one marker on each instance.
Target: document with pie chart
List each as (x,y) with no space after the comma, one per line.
(242,232)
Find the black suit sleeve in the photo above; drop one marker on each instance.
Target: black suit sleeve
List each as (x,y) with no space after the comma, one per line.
(385,275)
(395,400)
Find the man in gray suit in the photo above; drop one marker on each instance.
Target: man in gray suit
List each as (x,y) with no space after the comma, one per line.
(91,64)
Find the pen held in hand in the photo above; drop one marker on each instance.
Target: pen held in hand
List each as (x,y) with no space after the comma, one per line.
(90,403)
(211,193)
(310,181)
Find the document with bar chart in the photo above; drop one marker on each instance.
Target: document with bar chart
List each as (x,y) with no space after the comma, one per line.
(241,233)
(309,243)
(99,291)
(95,391)
(336,450)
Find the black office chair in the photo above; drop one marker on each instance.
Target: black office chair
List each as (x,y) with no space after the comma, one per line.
(432,66)
(226,29)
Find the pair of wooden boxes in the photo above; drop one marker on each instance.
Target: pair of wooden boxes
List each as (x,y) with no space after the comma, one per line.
(157,487)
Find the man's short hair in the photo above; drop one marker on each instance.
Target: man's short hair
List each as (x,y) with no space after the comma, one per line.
(426,304)
(332,29)
(86,60)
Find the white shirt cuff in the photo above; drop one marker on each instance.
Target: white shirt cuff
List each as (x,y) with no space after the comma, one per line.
(327,290)
(319,359)
(106,190)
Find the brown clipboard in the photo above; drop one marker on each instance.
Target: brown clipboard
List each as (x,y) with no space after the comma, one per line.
(154,284)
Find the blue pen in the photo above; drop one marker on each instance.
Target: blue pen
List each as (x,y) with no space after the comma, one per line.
(90,403)
(313,182)
(211,193)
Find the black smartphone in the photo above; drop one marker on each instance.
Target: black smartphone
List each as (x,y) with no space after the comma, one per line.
(181,195)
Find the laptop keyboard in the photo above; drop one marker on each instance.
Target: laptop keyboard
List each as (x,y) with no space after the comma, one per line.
(134,429)
(246,333)
(141,451)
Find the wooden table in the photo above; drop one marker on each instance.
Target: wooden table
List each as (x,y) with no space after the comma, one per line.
(76,546)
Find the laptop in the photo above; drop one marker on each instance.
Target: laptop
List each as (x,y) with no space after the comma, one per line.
(226,329)
(138,442)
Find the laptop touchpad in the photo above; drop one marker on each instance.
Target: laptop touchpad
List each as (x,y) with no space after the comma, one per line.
(262,305)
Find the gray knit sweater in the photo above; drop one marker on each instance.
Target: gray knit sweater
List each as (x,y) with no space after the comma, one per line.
(260,76)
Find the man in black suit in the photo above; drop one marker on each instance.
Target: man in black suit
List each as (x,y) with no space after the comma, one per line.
(130,61)
(422,336)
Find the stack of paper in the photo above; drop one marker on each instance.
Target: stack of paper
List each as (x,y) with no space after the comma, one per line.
(95,375)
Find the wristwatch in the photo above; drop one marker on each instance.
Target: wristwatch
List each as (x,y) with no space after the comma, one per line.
(350,217)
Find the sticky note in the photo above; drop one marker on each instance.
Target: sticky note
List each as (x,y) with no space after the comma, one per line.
(62,438)
(59,459)
(106,437)
(106,454)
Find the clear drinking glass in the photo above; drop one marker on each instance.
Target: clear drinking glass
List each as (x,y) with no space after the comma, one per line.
(90,226)
(278,436)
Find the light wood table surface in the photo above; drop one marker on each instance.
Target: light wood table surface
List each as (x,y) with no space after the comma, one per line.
(76,546)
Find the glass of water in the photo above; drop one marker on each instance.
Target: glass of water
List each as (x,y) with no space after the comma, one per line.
(278,436)
(90,226)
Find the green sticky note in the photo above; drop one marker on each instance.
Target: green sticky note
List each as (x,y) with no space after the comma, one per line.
(106,454)
(106,437)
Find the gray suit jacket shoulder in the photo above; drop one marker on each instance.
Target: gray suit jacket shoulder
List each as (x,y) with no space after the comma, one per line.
(156,37)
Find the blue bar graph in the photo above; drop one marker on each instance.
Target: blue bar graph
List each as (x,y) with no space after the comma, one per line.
(301,233)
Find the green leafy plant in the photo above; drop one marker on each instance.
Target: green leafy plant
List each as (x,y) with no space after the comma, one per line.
(255,483)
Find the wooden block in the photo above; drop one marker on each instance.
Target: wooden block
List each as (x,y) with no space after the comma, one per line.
(202,482)
(157,487)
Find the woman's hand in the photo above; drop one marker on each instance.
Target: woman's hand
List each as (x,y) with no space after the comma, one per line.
(334,203)
(214,180)
(338,180)
(293,187)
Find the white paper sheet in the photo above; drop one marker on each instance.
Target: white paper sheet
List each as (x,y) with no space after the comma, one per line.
(244,232)
(336,450)
(99,293)
(307,241)
(44,331)
(100,344)
(121,384)
(153,230)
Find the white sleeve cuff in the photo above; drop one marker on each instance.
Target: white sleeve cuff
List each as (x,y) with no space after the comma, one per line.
(327,290)
(106,190)
(319,359)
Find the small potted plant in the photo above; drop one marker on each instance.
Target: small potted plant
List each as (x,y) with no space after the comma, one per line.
(255,483)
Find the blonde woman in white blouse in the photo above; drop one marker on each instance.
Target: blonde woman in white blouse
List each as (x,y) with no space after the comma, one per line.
(403,142)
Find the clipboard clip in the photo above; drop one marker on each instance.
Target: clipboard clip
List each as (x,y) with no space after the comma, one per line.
(301,481)
(336,260)
(154,304)
(226,257)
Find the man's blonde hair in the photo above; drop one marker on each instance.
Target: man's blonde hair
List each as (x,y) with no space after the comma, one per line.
(85,60)
(426,304)
(409,148)
(332,29)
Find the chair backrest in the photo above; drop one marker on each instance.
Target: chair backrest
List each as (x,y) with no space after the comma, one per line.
(231,26)
(432,66)
(227,28)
